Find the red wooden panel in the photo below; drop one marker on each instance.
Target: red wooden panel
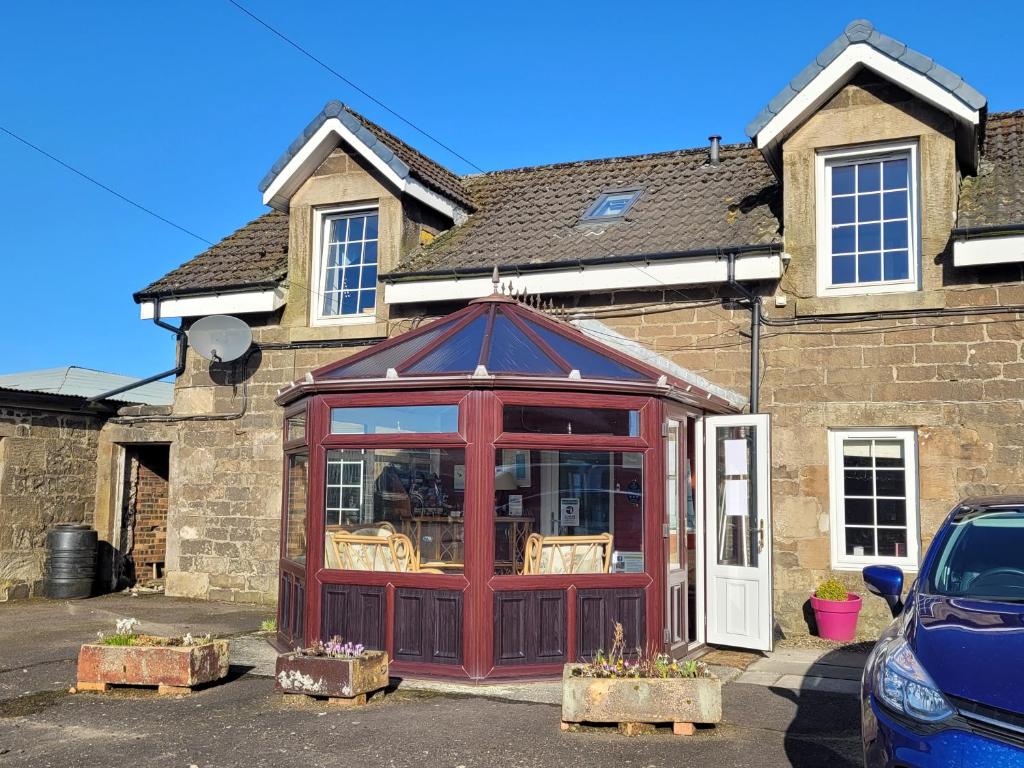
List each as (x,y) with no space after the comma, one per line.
(428,626)
(529,627)
(355,613)
(598,610)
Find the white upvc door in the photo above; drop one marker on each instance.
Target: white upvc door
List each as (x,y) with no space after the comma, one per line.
(738,544)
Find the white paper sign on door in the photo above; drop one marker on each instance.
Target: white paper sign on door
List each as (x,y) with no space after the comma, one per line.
(737,497)
(736,457)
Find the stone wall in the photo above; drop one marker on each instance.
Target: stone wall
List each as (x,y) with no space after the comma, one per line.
(957,381)
(47,473)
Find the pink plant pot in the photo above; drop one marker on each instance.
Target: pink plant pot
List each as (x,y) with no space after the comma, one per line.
(837,619)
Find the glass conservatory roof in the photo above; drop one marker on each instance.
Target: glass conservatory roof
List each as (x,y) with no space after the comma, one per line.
(493,336)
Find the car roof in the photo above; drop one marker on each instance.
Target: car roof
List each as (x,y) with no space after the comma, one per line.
(992,501)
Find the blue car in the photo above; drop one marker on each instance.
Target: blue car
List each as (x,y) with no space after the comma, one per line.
(944,686)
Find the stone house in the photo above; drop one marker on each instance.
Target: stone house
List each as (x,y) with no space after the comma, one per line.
(49,438)
(870,238)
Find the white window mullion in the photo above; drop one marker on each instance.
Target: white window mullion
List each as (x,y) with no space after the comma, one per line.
(838,440)
(329,307)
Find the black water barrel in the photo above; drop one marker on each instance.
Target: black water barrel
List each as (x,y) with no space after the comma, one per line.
(71,568)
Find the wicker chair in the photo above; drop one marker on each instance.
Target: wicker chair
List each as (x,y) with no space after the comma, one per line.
(568,554)
(389,553)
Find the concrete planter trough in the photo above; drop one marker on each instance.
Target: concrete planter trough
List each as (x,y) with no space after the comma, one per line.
(342,681)
(636,703)
(153,662)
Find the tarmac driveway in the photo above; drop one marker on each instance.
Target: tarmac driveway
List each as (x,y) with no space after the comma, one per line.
(244,723)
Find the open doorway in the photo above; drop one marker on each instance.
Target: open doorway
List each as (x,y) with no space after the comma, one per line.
(684,596)
(142,531)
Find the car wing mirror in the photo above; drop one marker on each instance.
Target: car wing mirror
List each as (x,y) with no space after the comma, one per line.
(886,581)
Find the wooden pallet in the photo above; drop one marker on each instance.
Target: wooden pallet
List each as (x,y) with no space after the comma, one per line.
(162,690)
(640,729)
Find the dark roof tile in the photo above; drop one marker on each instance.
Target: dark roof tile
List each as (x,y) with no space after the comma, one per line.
(255,255)
(532,215)
(995,196)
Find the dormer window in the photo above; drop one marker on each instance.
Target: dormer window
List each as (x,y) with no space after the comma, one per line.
(867,220)
(612,205)
(345,287)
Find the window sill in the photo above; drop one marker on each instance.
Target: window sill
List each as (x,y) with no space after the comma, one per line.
(344,320)
(906,567)
(869,302)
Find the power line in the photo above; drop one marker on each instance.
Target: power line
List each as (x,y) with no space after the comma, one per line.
(365,93)
(103,186)
(440,143)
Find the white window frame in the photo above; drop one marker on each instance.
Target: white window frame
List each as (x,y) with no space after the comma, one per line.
(322,220)
(824,160)
(837,516)
(341,485)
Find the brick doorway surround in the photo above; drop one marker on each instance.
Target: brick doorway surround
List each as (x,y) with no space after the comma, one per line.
(142,539)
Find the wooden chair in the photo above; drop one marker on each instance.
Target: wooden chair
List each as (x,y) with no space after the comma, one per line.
(567,554)
(382,530)
(389,553)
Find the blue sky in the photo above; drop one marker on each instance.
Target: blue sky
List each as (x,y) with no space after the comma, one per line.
(183,106)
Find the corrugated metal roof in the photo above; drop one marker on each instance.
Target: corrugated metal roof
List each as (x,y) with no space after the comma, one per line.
(73,381)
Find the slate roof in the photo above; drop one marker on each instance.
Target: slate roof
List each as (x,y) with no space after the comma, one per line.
(403,159)
(863,31)
(252,257)
(995,196)
(74,381)
(531,216)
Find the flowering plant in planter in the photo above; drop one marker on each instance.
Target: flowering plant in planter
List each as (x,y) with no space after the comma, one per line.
(653,665)
(835,610)
(174,664)
(651,688)
(126,633)
(330,668)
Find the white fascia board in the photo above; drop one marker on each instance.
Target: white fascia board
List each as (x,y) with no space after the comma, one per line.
(316,150)
(836,74)
(590,279)
(988,250)
(241,303)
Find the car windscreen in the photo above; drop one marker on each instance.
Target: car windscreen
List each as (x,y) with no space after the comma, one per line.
(983,556)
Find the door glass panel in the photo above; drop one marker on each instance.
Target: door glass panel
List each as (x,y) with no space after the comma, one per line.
(672,455)
(736,483)
(690,490)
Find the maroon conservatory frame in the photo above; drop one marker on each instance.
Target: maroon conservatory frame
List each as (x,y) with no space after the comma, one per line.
(480,624)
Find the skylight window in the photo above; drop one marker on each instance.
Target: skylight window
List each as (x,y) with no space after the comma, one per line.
(611,205)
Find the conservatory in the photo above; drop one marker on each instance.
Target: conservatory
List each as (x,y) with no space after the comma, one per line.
(487,495)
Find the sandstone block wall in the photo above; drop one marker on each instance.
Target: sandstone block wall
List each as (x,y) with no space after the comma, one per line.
(47,474)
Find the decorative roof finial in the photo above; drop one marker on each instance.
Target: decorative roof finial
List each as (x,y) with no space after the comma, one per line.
(494,278)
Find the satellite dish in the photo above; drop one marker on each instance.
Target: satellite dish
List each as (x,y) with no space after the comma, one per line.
(220,338)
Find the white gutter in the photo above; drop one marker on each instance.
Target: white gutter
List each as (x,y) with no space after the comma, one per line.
(1006,249)
(243,302)
(590,278)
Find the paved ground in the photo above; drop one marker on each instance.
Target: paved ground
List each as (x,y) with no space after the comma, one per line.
(807,669)
(243,723)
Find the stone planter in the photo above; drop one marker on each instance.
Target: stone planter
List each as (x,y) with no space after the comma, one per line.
(172,668)
(681,701)
(343,681)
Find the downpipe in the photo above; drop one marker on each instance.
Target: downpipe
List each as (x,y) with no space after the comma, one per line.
(753,304)
(182,347)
